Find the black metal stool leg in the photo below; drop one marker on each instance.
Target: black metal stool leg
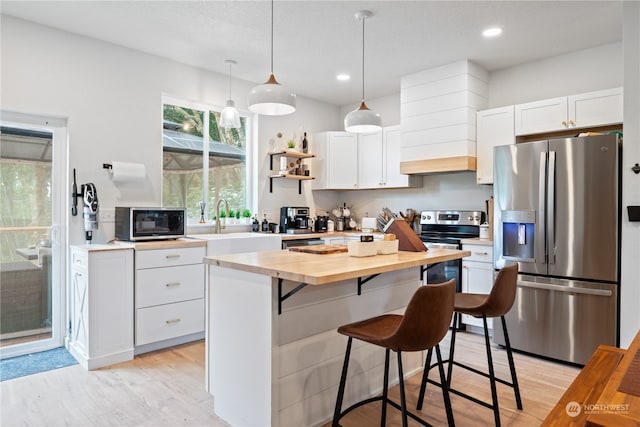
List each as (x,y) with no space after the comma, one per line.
(343,380)
(403,402)
(425,376)
(492,376)
(445,388)
(512,366)
(383,416)
(452,348)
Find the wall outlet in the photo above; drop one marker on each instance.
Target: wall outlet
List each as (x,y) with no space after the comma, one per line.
(107,215)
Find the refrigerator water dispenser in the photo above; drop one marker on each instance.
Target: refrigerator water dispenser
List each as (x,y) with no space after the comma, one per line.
(518,229)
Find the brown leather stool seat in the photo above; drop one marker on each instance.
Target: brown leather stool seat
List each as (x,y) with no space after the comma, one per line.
(496,304)
(425,322)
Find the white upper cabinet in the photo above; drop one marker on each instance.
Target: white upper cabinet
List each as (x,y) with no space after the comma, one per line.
(581,111)
(336,161)
(370,160)
(346,161)
(391,138)
(599,108)
(495,127)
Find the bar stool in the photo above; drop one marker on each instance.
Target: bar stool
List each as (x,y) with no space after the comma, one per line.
(425,322)
(496,304)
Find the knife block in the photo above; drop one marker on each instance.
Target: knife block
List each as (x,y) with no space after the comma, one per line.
(408,240)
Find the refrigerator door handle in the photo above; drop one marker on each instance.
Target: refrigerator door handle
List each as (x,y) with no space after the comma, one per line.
(551,209)
(565,289)
(540,247)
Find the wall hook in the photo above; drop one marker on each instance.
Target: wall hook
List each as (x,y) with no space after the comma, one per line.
(636,168)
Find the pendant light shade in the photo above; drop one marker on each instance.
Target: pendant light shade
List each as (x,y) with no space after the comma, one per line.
(363,119)
(229,117)
(271,98)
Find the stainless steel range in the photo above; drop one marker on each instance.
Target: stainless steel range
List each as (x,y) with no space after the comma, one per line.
(446,229)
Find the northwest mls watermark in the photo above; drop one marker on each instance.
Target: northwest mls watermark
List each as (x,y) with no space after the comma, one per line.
(573,409)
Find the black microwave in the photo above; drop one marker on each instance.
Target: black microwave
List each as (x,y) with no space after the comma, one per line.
(150,223)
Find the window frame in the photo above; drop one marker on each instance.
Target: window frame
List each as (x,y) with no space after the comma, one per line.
(251,182)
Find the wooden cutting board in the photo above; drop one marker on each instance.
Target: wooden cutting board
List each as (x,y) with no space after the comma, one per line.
(320,249)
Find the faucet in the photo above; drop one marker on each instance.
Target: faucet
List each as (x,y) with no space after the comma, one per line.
(218,225)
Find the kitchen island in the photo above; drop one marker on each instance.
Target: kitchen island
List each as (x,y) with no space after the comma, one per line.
(273,354)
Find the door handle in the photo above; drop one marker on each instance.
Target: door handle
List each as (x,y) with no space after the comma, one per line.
(565,289)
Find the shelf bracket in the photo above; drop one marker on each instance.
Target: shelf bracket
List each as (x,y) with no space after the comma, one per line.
(300,187)
(270,185)
(281,297)
(362,281)
(425,268)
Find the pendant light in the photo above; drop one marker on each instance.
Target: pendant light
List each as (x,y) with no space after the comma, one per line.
(271,98)
(362,119)
(229,117)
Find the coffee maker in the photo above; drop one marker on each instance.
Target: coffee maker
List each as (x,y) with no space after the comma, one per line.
(294,220)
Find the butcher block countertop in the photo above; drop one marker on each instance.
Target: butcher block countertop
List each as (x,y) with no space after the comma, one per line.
(315,269)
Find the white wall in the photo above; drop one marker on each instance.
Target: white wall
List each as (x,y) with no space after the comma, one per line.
(630,287)
(112,98)
(577,72)
(440,191)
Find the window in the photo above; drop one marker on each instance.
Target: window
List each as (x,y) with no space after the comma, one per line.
(196,151)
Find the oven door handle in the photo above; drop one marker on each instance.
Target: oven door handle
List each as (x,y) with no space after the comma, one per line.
(442,245)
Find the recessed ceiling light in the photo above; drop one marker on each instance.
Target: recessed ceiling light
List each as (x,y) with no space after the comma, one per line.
(343,77)
(492,32)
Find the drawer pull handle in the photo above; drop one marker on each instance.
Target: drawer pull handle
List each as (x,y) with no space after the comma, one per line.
(168,285)
(171,321)
(481,253)
(172,256)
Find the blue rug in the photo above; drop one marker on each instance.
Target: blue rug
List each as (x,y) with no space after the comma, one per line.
(33,363)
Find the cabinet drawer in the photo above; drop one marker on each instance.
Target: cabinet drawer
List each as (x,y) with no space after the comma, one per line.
(169,257)
(482,253)
(157,286)
(169,321)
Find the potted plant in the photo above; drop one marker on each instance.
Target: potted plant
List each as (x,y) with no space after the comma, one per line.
(232,217)
(223,216)
(291,144)
(246,216)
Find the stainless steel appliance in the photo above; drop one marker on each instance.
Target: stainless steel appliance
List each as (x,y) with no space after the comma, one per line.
(150,223)
(446,229)
(294,220)
(556,214)
(311,241)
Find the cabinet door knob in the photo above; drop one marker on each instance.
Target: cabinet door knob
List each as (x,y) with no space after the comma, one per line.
(172,256)
(168,285)
(171,321)
(481,253)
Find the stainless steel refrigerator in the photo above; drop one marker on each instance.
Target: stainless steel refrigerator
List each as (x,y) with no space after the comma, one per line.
(556,213)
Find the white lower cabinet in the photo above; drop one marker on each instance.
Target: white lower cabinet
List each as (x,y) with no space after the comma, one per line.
(477,276)
(169,297)
(101,311)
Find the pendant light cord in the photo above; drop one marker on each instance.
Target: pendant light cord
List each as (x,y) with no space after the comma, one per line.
(271,37)
(363,19)
(229,80)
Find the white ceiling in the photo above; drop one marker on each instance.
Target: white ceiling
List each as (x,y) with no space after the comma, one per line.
(315,40)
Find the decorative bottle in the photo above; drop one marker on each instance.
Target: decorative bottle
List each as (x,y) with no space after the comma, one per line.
(305,144)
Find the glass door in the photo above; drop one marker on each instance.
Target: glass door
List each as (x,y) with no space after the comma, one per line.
(32,184)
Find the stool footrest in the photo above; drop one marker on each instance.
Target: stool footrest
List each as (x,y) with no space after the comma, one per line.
(475,371)
(390,402)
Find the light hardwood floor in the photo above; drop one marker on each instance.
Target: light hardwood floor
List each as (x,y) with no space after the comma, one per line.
(166,388)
